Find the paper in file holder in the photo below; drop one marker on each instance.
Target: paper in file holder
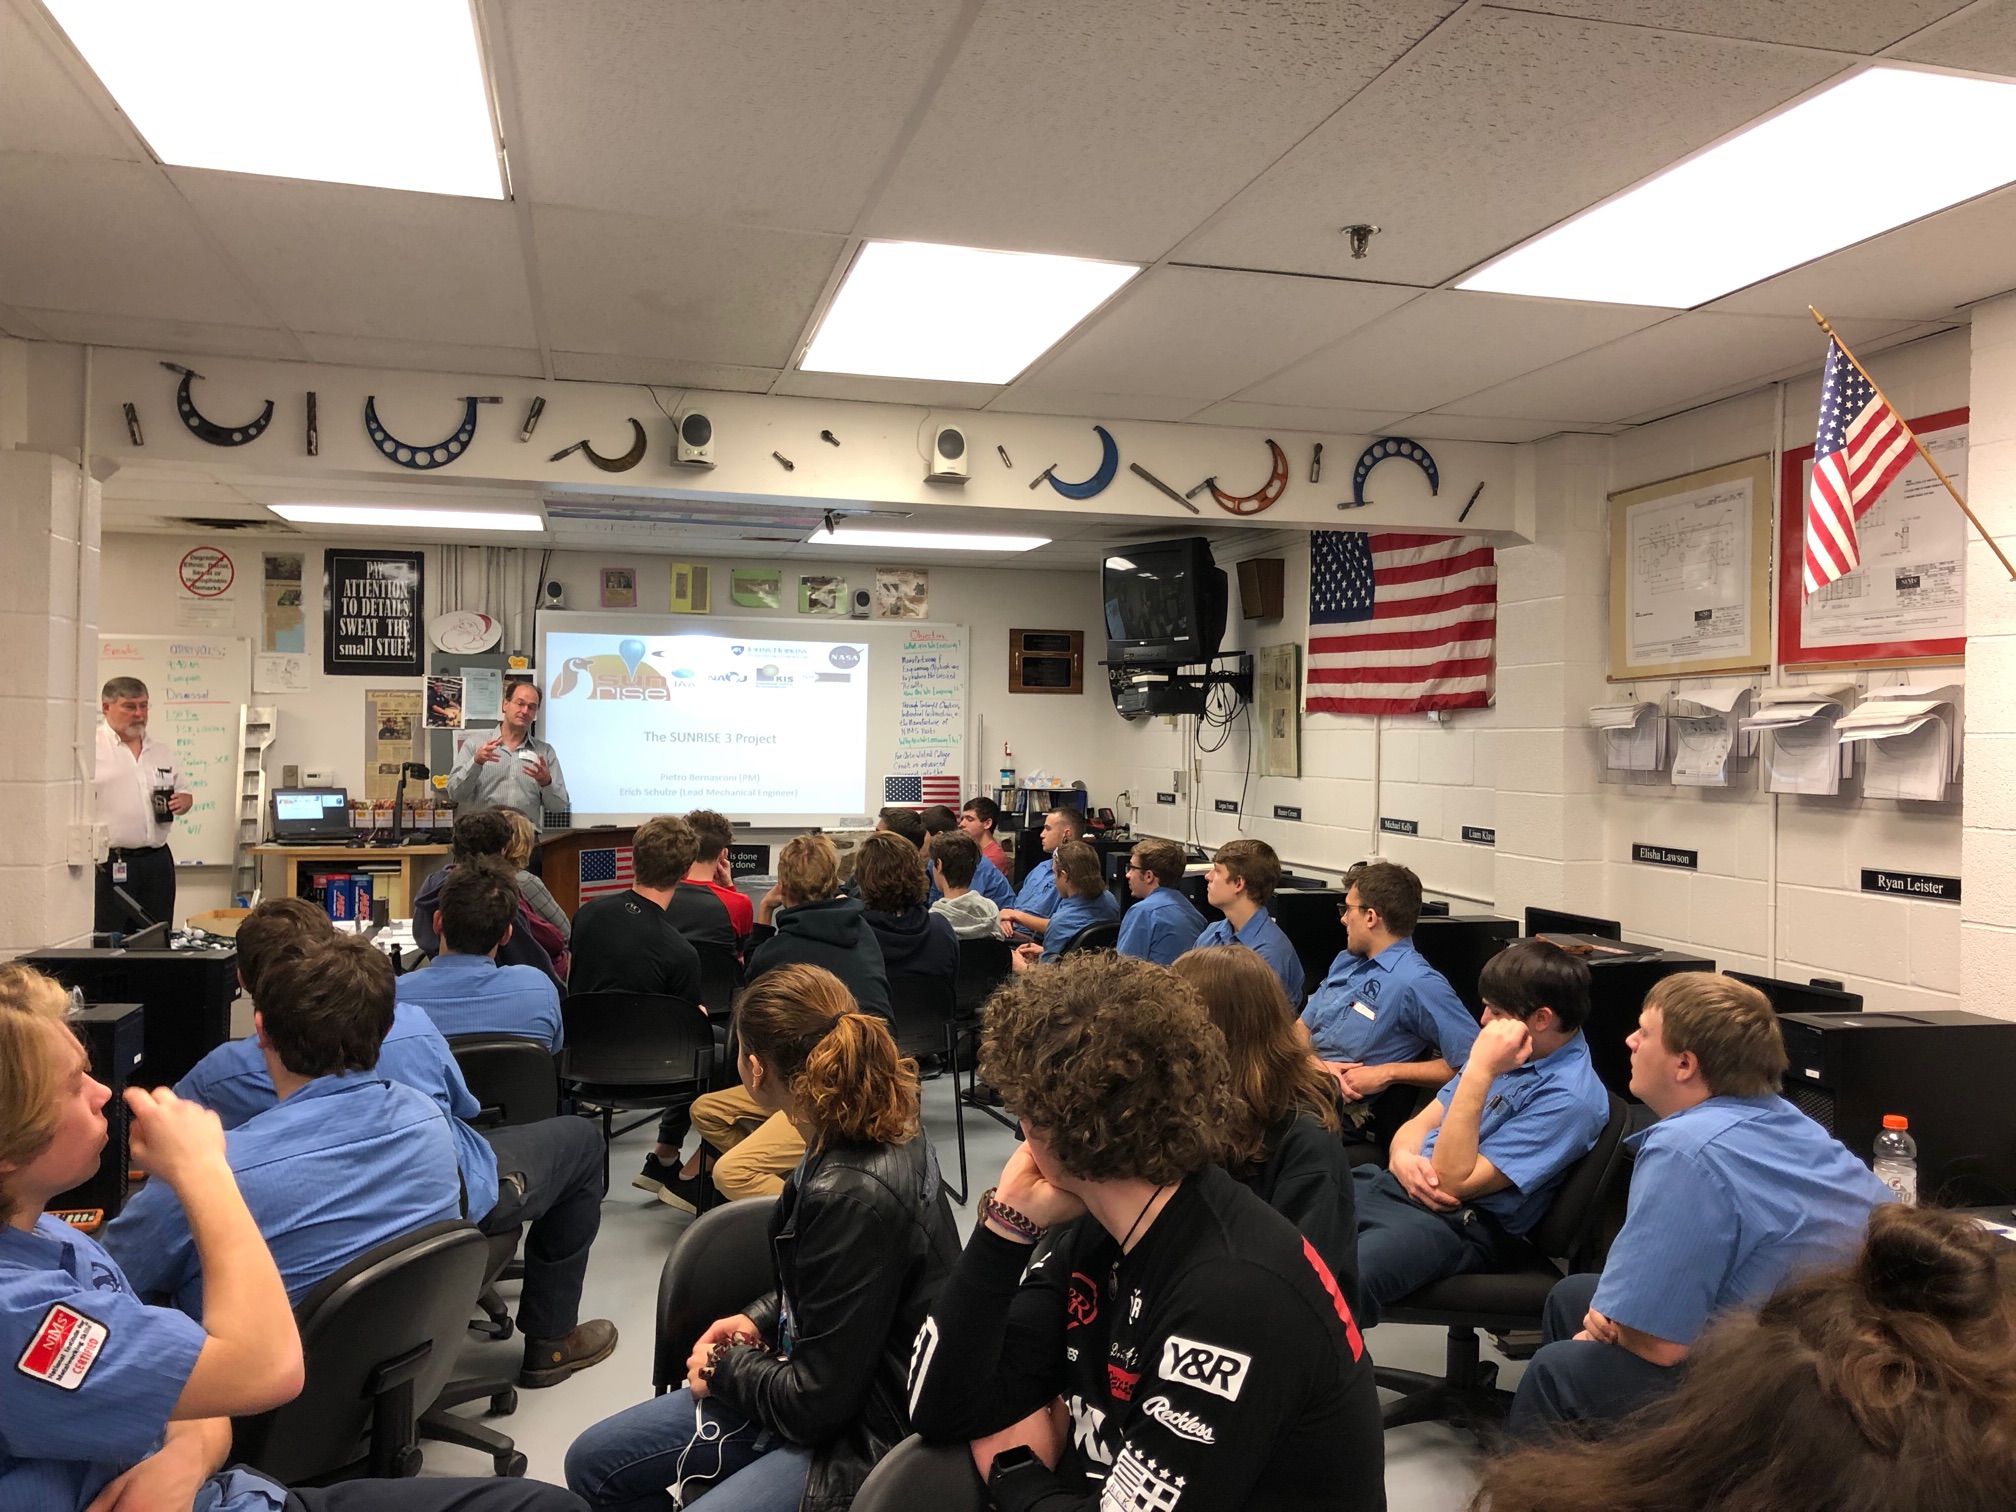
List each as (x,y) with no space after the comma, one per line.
(1710,745)
(1909,734)
(1631,742)
(1806,755)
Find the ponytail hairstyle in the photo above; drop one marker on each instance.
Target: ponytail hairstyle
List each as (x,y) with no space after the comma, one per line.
(37,1058)
(840,1064)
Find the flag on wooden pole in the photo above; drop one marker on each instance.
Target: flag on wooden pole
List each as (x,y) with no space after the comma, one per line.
(1861,446)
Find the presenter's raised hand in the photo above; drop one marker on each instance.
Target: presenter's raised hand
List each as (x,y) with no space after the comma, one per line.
(539,772)
(487,752)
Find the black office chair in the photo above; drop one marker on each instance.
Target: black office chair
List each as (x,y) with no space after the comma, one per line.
(720,1264)
(720,979)
(380,1338)
(924,1011)
(984,964)
(916,1474)
(512,1077)
(1510,1301)
(1101,936)
(634,1050)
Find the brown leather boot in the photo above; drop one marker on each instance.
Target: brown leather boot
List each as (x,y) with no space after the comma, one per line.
(548,1362)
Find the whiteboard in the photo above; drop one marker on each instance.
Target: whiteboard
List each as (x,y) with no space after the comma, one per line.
(917,695)
(198,688)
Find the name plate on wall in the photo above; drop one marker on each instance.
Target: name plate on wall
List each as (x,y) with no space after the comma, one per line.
(1226,805)
(1165,797)
(1911,885)
(1476,834)
(1400,826)
(1666,855)
(1287,811)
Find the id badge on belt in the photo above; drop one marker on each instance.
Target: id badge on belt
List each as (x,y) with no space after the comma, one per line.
(118,872)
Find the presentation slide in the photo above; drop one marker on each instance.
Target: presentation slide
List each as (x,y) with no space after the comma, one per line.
(660,724)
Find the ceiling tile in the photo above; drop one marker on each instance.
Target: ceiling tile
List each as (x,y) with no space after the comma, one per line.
(1982,41)
(1110,130)
(1092,405)
(610,367)
(1441,427)
(1446,344)
(1844,25)
(353,261)
(926,392)
(187,338)
(1676,363)
(422,356)
(778,114)
(648,287)
(1202,333)
(1476,143)
(42,106)
(1296,417)
(107,237)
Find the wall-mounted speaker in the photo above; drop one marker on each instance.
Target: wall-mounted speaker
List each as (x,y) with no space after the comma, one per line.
(858,603)
(1261,584)
(693,440)
(553,596)
(950,461)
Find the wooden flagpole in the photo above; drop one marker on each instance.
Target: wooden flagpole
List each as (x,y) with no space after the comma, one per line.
(1936,468)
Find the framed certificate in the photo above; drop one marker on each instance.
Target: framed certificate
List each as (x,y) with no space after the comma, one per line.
(1690,578)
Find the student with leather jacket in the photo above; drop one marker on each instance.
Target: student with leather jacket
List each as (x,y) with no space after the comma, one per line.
(790,1403)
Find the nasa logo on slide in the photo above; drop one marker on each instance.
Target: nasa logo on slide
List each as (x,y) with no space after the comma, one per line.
(730,677)
(845,656)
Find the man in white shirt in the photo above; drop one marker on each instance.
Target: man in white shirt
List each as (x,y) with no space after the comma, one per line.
(511,769)
(140,790)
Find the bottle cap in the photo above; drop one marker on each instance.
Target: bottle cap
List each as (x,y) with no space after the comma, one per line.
(1896,1121)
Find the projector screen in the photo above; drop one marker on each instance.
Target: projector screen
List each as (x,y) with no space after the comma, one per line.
(771,729)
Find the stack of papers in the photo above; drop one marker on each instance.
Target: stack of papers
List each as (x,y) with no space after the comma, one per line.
(1634,736)
(1807,755)
(1707,731)
(1912,752)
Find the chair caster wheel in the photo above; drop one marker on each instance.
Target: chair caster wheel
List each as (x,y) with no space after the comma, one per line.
(408,1461)
(513,1464)
(504,1403)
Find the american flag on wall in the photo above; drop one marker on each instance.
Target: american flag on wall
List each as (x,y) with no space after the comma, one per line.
(919,791)
(1400,623)
(1861,446)
(604,872)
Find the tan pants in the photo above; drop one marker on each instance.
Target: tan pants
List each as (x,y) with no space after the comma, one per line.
(759,1148)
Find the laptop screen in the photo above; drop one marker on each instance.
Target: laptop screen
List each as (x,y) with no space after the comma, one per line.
(311,813)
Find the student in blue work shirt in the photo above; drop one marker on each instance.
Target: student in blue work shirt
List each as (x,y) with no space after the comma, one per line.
(1083,899)
(1734,1192)
(987,879)
(1240,885)
(1033,905)
(345,1161)
(465,991)
(1162,923)
(1384,1015)
(546,1175)
(1477,1168)
(110,1402)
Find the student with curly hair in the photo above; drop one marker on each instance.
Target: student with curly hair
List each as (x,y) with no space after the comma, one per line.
(1887,1383)
(1203,1350)
(791,1402)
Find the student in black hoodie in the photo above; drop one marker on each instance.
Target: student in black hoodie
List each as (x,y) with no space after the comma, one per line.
(800,922)
(915,942)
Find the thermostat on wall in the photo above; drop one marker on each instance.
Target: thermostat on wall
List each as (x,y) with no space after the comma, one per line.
(318,777)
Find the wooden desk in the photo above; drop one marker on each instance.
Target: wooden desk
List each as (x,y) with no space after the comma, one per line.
(280,868)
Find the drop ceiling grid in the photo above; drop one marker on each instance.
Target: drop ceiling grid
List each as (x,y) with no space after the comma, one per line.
(1983,40)
(1863,26)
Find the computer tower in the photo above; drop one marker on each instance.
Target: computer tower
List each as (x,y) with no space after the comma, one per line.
(1313,921)
(1458,945)
(1620,974)
(187,995)
(114,1034)
(1946,1070)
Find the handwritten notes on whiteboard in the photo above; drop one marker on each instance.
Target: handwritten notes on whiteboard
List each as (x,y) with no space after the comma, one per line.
(198,687)
(931,702)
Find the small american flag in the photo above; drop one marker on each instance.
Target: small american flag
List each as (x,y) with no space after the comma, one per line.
(605,872)
(1400,623)
(920,791)
(1861,446)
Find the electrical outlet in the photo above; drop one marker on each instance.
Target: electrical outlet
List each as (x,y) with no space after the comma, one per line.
(1179,780)
(87,844)
(1197,768)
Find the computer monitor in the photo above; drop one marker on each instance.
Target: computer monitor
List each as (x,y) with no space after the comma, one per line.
(302,814)
(1555,921)
(1800,997)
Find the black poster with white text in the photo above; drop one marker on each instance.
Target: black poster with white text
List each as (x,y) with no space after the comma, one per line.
(371,613)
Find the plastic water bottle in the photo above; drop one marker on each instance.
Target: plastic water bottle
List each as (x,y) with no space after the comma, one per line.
(1896,1163)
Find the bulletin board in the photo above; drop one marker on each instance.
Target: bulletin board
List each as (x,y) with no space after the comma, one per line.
(1907,602)
(197,688)
(1690,574)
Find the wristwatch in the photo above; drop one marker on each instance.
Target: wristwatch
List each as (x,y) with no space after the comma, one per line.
(1015,1461)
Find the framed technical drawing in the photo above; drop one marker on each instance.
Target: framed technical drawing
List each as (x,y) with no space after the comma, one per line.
(1690,574)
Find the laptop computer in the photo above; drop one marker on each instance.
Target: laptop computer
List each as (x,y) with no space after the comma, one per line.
(312,816)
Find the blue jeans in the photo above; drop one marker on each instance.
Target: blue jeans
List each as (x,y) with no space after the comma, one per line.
(630,1462)
(1402,1246)
(1577,1382)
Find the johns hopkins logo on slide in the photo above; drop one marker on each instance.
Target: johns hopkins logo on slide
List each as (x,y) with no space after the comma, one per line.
(845,656)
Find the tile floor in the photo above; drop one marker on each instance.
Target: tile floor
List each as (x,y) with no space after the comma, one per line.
(1429,1468)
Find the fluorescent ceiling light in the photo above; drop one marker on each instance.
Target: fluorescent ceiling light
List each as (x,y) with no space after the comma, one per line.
(1884,147)
(397,518)
(388,93)
(926,540)
(958,314)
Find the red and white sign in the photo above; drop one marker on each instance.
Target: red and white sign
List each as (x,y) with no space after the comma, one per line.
(64,1348)
(207,572)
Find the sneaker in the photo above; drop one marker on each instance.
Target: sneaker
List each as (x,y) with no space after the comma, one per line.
(654,1175)
(548,1362)
(690,1194)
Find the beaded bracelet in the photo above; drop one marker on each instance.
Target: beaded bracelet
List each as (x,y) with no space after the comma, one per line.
(1008,1218)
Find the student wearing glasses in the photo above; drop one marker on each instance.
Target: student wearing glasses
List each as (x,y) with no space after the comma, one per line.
(1163,923)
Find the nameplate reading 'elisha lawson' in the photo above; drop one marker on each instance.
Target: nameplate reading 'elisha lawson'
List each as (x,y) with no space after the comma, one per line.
(1666,855)
(1911,885)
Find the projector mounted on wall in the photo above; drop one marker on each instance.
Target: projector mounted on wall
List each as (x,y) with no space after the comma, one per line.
(693,440)
(949,456)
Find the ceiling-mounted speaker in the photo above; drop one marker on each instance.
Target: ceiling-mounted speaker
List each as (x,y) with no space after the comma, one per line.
(949,456)
(693,440)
